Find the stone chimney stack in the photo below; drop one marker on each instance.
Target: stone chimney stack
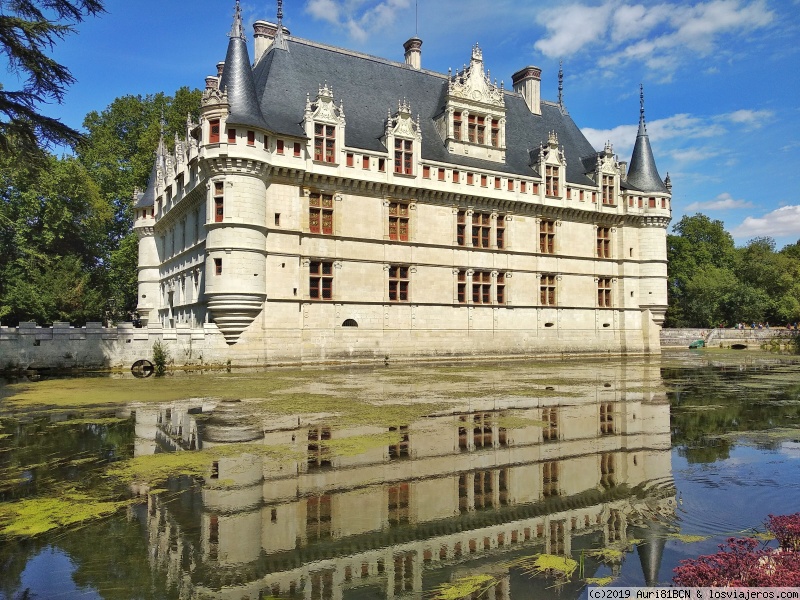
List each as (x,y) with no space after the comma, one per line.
(413,49)
(264,34)
(528,82)
(220,69)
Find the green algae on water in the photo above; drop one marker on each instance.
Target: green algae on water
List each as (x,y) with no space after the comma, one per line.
(34,516)
(463,587)
(599,581)
(688,538)
(549,564)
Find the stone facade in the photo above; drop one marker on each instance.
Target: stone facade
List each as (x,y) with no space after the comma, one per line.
(442,234)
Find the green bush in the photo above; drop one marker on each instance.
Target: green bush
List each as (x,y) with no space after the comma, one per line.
(160,357)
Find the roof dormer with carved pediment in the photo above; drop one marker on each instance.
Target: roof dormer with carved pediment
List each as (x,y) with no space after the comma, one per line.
(474,118)
(403,139)
(550,162)
(324,122)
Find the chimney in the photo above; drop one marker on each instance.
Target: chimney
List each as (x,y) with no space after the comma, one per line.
(212,82)
(528,82)
(263,34)
(413,49)
(220,68)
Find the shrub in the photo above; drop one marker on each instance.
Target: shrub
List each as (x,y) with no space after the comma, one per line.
(160,357)
(742,563)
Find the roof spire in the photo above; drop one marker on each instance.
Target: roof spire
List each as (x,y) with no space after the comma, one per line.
(642,126)
(561,83)
(280,41)
(237,30)
(642,172)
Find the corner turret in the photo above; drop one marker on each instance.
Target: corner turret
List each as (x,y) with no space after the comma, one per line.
(643,173)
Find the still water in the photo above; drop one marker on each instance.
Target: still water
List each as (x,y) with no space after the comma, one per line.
(502,481)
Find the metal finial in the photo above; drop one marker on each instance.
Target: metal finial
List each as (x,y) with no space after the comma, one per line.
(641,102)
(561,83)
(280,11)
(237,30)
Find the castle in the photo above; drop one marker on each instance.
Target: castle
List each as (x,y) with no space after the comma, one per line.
(331,204)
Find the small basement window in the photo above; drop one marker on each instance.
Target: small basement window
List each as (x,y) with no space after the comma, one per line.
(350,323)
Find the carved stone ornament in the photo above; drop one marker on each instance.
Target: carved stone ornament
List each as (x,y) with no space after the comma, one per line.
(214,96)
(402,124)
(323,109)
(474,85)
(607,161)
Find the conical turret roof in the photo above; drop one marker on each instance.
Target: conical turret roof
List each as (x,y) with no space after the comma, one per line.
(237,79)
(643,173)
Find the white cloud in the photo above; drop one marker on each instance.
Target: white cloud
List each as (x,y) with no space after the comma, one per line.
(722,202)
(784,221)
(660,36)
(324,10)
(752,119)
(359,18)
(572,27)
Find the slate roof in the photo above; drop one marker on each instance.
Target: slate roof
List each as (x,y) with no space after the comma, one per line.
(237,80)
(369,87)
(642,173)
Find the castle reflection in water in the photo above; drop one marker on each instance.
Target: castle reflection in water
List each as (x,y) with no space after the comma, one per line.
(576,468)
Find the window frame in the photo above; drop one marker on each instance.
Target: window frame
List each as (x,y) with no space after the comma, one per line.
(399,283)
(399,221)
(548,290)
(604,289)
(324,143)
(320,213)
(403,156)
(603,233)
(320,280)
(547,236)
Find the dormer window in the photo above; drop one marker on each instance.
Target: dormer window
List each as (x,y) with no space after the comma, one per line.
(551,180)
(403,156)
(324,143)
(608,189)
(476,104)
(324,123)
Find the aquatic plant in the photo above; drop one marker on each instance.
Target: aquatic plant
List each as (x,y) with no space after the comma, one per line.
(160,357)
(746,562)
(464,587)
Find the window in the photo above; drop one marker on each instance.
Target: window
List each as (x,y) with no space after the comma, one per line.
(606,418)
(217,266)
(550,479)
(461,228)
(398,221)
(382,165)
(251,138)
(604,292)
(497,183)
(401,448)
(219,207)
(398,503)
(500,230)
(462,287)
(547,290)
(403,156)
(231,136)
(365,162)
(510,185)
(523,187)
(535,188)
(481,229)
(320,213)
(547,237)
(297,149)
(603,242)
(426,172)
(213,131)
(551,181)
(457,125)
(324,143)
(318,518)
(608,189)
(441,175)
(483,489)
(456,176)
(350,159)
(651,202)
(398,283)
(500,288)
(470,178)
(550,429)
(483,180)
(277,219)
(279,146)
(607,470)
(481,287)
(318,454)
(321,280)
(495,133)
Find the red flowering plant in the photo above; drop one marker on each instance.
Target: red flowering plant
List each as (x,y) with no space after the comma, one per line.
(747,562)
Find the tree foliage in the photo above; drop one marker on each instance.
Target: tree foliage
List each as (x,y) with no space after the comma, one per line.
(29,29)
(711,282)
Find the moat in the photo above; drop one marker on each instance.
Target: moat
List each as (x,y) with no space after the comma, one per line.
(494,480)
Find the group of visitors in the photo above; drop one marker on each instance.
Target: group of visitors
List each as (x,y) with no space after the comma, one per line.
(754,325)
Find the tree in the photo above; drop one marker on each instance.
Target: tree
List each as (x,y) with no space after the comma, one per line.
(28,29)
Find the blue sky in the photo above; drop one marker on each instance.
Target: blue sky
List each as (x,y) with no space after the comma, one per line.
(721,77)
